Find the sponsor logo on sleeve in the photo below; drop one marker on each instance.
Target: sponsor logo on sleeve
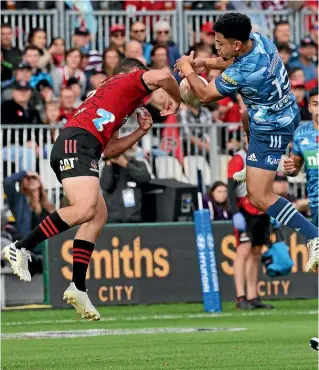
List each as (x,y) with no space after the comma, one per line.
(228,79)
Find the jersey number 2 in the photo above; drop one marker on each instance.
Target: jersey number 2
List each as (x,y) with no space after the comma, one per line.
(105,117)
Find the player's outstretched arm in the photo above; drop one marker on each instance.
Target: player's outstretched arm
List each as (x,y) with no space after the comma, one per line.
(156,79)
(117,146)
(212,63)
(206,94)
(292,165)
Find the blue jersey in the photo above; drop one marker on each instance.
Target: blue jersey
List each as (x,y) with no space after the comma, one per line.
(260,77)
(305,145)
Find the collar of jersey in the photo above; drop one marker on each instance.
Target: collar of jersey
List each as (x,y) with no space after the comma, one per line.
(250,51)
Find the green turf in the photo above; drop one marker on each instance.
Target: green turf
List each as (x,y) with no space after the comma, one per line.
(274,340)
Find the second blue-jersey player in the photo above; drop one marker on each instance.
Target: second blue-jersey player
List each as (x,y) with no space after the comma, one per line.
(253,68)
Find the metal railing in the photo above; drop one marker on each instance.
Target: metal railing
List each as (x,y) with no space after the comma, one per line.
(193,19)
(106,19)
(170,150)
(185,23)
(22,22)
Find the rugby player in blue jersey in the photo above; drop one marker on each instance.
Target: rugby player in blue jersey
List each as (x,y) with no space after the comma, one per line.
(255,70)
(305,151)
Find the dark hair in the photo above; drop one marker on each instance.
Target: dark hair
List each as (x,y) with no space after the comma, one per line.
(294,70)
(313,92)
(56,38)
(6,25)
(68,52)
(110,49)
(281,23)
(215,185)
(127,64)
(157,47)
(234,26)
(31,47)
(283,47)
(33,32)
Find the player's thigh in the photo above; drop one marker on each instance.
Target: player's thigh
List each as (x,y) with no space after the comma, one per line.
(100,217)
(83,191)
(259,181)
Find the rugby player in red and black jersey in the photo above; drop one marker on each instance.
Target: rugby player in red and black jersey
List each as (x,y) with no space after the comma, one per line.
(252,231)
(93,130)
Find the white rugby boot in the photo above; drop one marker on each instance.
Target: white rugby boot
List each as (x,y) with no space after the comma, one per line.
(313,249)
(240,176)
(19,259)
(81,302)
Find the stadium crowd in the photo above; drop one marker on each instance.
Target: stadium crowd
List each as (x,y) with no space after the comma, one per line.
(45,83)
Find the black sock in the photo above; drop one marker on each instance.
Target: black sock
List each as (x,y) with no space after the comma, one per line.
(242,297)
(82,251)
(52,225)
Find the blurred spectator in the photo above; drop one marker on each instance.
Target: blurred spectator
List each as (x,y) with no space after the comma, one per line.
(61,76)
(38,37)
(159,57)
(274,4)
(121,182)
(281,187)
(196,139)
(22,72)
(117,40)
(97,78)
(229,109)
(52,118)
(134,5)
(45,95)
(138,33)
(307,51)
(207,39)
(95,62)
(11,56)
(32,56)
(134,49)
(30,206)
(296,75)
(52,113)
(223,5)
(314,33)
(75,86)
(282,37)
(111,58)
(30,5)
(82,40)
(217,203)
(57,50)
(285,54)
(18,111)
(85,61)
(67,102)
(162,37)
(299,91)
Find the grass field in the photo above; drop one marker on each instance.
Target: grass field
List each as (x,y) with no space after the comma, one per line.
(268,340)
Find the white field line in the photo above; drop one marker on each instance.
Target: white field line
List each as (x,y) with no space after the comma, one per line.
(102,332)
(166,317)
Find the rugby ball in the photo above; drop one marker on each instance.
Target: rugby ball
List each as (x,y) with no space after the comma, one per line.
(188,95)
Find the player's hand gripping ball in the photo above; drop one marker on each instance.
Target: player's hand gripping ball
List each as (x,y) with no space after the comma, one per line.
(188,95)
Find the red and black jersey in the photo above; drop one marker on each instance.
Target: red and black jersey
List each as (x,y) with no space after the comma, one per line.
(107,109)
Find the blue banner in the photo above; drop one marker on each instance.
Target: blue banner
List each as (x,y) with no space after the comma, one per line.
(207,261)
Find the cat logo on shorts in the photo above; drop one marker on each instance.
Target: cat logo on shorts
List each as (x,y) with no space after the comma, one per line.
(67,164)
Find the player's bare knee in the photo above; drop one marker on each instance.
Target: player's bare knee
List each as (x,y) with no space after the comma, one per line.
(85,213)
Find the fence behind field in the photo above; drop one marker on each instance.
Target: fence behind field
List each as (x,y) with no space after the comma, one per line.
(22,22)
(169,150)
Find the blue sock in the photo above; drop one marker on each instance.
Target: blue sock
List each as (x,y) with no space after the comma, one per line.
(284,212)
